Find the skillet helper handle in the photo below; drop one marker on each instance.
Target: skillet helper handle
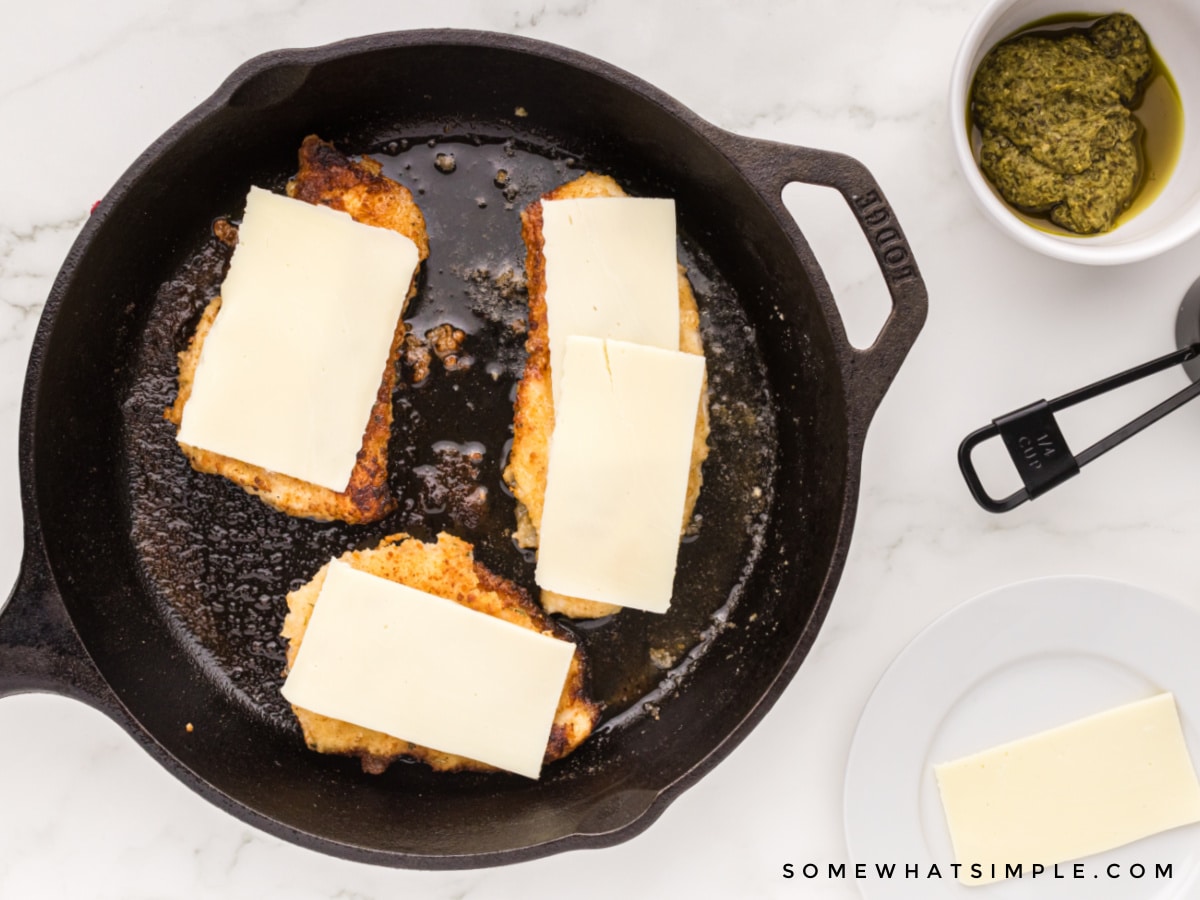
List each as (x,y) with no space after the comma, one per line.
(771,167)
(1036,444)
(39,649)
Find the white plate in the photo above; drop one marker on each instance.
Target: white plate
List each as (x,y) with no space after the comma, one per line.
(1006,664)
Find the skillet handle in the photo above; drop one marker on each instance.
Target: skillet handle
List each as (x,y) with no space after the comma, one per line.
(39,649)
(771,166)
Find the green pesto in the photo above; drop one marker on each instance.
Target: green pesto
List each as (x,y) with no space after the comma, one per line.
(1054,111)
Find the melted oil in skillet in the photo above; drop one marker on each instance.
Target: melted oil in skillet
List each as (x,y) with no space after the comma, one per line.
(219,562)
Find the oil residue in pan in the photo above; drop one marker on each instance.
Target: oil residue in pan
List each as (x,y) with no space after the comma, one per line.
(219,562)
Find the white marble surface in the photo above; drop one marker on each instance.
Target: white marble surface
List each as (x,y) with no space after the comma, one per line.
(85,87)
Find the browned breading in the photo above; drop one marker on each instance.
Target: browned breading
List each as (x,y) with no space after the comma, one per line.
(445,569)
(329,178)
(326,177)
(533,412)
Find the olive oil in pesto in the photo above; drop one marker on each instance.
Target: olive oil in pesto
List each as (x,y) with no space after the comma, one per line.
(1161,116)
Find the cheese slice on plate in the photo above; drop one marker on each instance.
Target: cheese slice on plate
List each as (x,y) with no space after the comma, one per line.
(1083,788)
(428,670)
(611,272)
(618,471)
(290,370)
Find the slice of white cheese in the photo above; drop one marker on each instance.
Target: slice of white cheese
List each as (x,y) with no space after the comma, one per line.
(290,369)
(618,471)
(1083,788)
(611,272)
(428,670)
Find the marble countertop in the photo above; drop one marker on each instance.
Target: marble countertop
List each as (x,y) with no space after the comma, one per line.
(84,88)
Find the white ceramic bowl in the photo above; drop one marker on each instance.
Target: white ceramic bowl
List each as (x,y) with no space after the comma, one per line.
(1173,216)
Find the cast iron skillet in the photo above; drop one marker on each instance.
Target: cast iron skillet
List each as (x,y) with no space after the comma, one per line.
(154,593)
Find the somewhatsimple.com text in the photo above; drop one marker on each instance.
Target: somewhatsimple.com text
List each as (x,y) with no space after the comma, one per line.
(976,872)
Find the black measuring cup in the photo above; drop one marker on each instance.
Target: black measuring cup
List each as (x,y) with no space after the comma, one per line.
(1036,444)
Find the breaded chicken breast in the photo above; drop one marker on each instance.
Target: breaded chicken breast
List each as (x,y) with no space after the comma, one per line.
(533,413)
(328,178)
(445,569)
